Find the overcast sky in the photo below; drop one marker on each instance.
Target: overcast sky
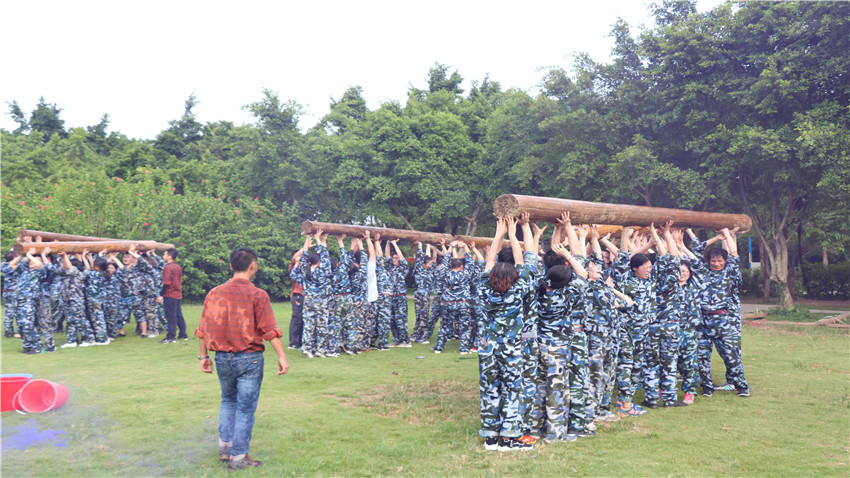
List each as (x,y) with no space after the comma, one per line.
(139,61)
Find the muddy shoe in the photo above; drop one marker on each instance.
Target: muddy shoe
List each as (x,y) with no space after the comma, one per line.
(244,462)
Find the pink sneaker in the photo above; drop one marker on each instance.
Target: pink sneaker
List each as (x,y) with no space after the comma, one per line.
(689,398)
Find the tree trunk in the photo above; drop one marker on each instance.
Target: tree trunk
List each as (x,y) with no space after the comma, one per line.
(310,227)
(825,258)
(765,271)
(55,236)
(584,212)
(91,246)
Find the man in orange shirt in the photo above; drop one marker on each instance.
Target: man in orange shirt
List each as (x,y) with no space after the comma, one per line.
(237,317)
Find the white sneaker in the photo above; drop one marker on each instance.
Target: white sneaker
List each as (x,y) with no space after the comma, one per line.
(424,342)
(68,345)
(86,344)
(308,354)
(438,351)
(405,346)
(320,354)
(464,353)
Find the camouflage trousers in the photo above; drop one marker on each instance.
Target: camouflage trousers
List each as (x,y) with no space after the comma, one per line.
(437,314)
(422,309)
(399,314)
(10,305)
(600,361)
(44,322)
(26,322)
(345,334)
(476,316)
(661,355)
(317,313)
(113,317)
(688,364)
(723,331)
(577,380)
(500,381)
(456,312)
(364,322)
(530,352)
(385,317)
(96,323)
(151,314)
(630,360)
(75,316)
(549,410)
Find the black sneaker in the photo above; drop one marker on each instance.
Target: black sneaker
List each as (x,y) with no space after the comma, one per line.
(50,349)
(168,341)
(706,392)
(677,403)
(491,443)
(30,351)
(744,392)
(653,404)
(587,432)
(244,462)
(512,444)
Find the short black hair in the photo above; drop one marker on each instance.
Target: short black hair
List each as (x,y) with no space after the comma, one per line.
(100,264)
(172,253)
(505,255)
(9,256)
(716,252)
(638,260)
(241,259)
(552,259)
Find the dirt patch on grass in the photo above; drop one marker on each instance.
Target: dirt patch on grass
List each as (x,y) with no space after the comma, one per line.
(419,403)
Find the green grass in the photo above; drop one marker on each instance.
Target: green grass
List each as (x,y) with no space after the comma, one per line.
(138,408)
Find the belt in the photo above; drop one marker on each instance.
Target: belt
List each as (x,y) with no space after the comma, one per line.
(578,328)
(9,290)
(715,312)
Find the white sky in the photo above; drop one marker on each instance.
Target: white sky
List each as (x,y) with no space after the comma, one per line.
(139,61)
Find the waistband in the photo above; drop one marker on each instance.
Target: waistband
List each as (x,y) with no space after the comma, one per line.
(244,352)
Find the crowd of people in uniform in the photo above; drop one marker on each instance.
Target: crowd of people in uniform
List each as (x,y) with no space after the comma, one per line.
(93,295)
(565,338)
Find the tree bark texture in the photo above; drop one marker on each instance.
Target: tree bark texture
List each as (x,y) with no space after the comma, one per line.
(584,212)
(311,227)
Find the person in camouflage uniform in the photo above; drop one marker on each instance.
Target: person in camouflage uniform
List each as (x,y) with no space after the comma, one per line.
(10,276)
(150,300)
(95,296)
(398,271)
(457,274)
(438,305)
(75,308)
(691,278)
(423,275)
(363,311)
(28,292)
(132,291)
(314,273)
(45,316)
(721,316)
(558,295)
(383,306)
(343,326)
(638,283)
(501,288)
(662,348)
(476,312)
(112,302)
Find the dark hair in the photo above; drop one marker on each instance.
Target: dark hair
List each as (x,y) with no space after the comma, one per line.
(9,256)
(638,260)
(502,276)
(356,256)
(77,263)
(716,252)
(505,255)
(241,259)
(552,259)
(100,264)
(557,277)
(312,258)
(426,260)
(172,253)
(457,263)
(353,267)
(440,259)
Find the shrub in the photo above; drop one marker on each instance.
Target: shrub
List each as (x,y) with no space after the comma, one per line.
(831,282)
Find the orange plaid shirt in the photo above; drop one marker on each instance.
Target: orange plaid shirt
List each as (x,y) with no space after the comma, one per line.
(237,317)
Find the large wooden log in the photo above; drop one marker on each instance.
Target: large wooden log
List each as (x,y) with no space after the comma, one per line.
(55,236)
(91,246)
(310,227)
(584,212)
(478,241)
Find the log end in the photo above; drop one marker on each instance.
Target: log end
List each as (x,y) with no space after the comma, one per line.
(307,228)
(506,205)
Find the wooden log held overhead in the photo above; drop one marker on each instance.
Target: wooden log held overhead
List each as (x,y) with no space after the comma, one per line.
(478,241)
(91,246)
(55,236)
(310,227)
(584,212)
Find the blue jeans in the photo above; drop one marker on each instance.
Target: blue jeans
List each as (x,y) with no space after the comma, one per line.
(240,375)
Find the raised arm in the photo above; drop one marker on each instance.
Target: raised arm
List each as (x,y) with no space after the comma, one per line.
(574,263)
(669,240)
(398,250)
(515,246)
(729,241)
(594,240)
(501,228)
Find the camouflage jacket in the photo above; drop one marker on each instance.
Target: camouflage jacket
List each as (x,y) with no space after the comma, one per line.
(320,281)
(457,282)
(424,277)
(503,312)
(555,308)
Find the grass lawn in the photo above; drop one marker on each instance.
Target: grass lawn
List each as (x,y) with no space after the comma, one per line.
(138,408)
